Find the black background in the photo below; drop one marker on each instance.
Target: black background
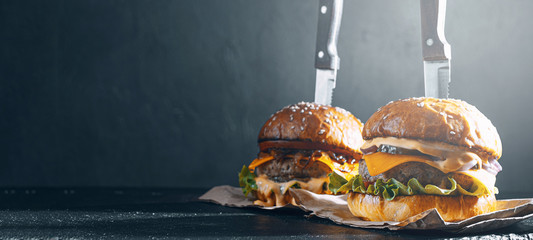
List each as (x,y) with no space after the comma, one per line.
(173,93)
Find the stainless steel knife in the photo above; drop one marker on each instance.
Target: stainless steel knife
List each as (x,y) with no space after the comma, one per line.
(435,49)
(326,57)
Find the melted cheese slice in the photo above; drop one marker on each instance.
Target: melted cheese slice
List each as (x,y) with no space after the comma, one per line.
(258,161)
(453,158)
(345,170)
(437,149)
(379,162)
(268,188)
(488,179)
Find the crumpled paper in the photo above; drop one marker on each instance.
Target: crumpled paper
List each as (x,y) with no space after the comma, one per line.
(335,208)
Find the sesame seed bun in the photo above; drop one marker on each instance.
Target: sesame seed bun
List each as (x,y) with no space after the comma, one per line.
(450,121)
(313,126)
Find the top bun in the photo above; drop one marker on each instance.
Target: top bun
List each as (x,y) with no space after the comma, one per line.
(316,124)
(442,120)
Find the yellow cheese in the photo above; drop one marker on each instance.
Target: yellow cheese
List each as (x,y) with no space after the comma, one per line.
(324,158)
(379,162)
(258,161)
(488,179)
(452,157)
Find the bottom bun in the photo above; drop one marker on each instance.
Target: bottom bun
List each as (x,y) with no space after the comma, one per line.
(274,199)
(271,193)
(450,208)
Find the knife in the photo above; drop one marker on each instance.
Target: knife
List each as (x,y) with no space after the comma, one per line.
(435,49)
(326,57)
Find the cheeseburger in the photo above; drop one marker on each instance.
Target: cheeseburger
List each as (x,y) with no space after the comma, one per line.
(425,153)
(299,146)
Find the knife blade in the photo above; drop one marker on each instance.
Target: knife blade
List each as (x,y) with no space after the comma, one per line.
(326,57)
(436,50)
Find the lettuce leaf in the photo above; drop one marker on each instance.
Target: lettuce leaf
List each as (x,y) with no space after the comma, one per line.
(337,183)
(391,188)
(247,181)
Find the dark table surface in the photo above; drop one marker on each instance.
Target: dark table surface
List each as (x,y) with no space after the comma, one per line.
(61,213)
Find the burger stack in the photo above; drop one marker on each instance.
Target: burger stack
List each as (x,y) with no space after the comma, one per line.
(300,145)
(418,154)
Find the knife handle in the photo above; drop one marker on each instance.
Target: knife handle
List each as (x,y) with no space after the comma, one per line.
(329,22)
(434,44)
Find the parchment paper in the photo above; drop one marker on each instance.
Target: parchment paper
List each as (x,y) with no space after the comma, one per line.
(335,208)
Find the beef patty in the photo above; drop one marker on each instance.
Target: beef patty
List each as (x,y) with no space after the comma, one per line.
(292,164)
(424,173)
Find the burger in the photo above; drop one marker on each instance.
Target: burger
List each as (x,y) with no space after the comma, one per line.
(299,146)
(422,154)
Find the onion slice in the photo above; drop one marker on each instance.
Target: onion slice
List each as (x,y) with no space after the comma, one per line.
(467,166)
(370,150)
(492,166)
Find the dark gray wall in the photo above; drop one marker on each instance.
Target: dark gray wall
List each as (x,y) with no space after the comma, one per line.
(173,93)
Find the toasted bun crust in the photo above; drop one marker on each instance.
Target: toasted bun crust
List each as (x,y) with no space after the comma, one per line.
(443,120)
(314,123)
(451,208)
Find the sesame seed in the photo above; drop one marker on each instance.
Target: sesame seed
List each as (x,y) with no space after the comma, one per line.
(291,118)
(269,123)
(321,131)
(274,119)
(385,117)
(420,104)
(292,127)
(302,128)
(302,111)
(303,119)
(327,121)
(310,113)
(335,117)
(450,116)
(441,113)
(293,110)
(452,132)
(323,140)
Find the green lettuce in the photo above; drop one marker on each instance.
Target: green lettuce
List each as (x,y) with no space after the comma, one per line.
(391,188)
(247,181)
